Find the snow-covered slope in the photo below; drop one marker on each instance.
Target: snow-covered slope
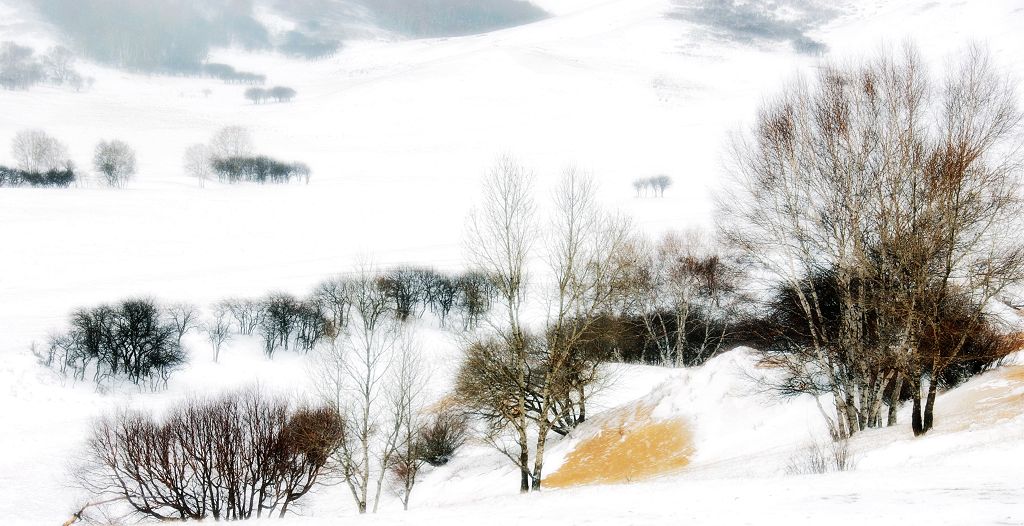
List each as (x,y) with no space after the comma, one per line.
(398,135)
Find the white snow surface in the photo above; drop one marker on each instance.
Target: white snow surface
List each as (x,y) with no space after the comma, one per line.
(398,135)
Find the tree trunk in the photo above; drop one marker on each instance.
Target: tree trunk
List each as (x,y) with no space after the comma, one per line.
(929,406)
(524,461)
(538,459)
(894,399)
(915,422)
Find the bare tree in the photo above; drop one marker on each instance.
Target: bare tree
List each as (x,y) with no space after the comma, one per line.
(231,141)
(282,93)
(541,383)
(35,151)
(256,95)
(115,160)
(352,374)
(184,317)
(218,330)
(501,237)
(582,256)
(405,396)
(661,182)
(197,163)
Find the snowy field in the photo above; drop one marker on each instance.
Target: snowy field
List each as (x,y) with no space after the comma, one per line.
(398,134)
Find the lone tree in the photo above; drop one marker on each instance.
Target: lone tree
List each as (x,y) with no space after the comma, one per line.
(115,161)
(37,152)
(282,93)
(231,141)
(903,196)
(256,95)
(197,163)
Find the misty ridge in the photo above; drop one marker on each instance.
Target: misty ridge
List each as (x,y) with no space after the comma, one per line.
(176,36)
(760,21)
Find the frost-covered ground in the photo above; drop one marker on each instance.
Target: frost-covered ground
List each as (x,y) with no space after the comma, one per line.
(398,135)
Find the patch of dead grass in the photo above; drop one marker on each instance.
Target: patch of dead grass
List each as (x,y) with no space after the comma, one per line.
(632,446)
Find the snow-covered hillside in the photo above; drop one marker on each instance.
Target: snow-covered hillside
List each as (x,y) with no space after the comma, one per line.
(398,134)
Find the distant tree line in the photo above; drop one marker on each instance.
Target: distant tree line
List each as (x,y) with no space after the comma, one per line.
(171,36)
(440,18)
(653,186)
(299,44)
(278,93)
(229,156)
(228,74)
(21,68)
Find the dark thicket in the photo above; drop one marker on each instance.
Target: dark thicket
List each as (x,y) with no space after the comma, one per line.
(258,169)
(240,456)
(288,323)
(52,178)
(412,290)
(442,435)
(128,341)
(783,335)
(629,338)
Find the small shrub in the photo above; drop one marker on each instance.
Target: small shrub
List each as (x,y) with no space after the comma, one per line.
(442,436)
(12,177)
(819,458)
(115,161)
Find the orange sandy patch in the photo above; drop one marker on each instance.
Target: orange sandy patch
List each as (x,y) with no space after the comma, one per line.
(1015,373)
(630,447)
(991,404)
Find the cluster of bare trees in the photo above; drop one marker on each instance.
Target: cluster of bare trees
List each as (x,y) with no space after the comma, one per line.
(653,186)
(885,207)
(21,68)
(679,303)
(43,160)
(229,155)
(135,340)
(278,93)
(373,375)
(242,455)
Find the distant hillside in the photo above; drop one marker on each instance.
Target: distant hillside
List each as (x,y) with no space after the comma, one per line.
(177,35)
